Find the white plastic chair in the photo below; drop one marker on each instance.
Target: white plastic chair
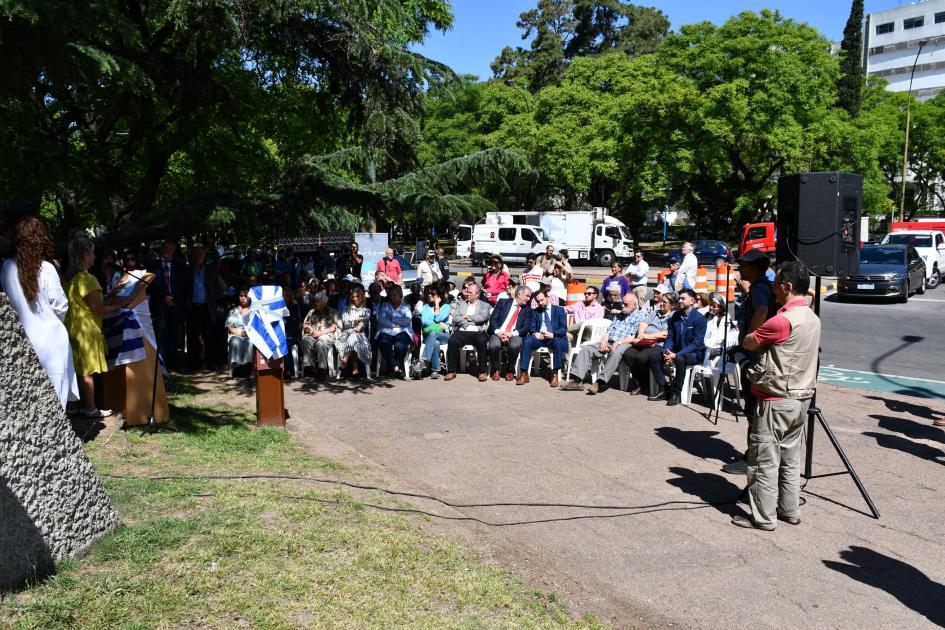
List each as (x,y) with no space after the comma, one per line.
(380,360)
(590,332)
(732,377)
(537,353)
(443,347)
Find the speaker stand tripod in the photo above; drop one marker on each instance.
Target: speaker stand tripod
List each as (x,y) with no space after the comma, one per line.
(814,413)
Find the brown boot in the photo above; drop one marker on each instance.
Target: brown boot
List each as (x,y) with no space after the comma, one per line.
(554,380)
(522,379)
(483,378)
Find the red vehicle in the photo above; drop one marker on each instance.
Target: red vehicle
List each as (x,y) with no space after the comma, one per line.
(757,236)
(899,226)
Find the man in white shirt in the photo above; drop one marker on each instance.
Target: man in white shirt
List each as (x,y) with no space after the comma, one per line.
(638,271)
(687,269)
(429,271)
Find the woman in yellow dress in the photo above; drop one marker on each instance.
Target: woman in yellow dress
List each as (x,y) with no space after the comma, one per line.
(87,305)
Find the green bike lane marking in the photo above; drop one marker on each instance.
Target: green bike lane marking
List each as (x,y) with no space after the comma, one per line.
(889,383)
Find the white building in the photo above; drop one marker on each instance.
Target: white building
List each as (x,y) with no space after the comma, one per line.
(891,42)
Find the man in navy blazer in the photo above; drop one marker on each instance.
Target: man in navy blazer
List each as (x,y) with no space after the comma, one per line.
(684,346)
(547,328)
(508,327)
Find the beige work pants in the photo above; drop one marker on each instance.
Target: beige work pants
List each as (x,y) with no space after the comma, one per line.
(774,459)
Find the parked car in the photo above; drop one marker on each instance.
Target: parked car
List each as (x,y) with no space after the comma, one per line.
(886,271)
(928,242)
(408,271)
(712,253)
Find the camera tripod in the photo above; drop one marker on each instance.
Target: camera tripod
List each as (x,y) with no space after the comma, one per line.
(814,413)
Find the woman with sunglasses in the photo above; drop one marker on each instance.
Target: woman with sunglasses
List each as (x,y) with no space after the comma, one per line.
(495,281)
(435,320)
(650,335)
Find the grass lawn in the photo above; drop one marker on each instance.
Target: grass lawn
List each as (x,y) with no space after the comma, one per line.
(262,553)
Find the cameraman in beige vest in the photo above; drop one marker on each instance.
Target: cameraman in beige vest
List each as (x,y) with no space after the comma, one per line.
(783,380)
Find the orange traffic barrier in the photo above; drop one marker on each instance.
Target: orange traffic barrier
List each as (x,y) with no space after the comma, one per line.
(702,280)
(576,292)
(661,276)
(721,279)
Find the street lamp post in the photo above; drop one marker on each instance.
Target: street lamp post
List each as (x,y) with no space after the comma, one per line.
(905,150)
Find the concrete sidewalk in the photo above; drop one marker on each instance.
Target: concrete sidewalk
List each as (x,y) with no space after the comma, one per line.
(619,506)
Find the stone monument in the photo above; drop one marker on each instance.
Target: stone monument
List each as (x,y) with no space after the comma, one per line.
(52,505)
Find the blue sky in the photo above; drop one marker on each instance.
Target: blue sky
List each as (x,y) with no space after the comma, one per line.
(481,28)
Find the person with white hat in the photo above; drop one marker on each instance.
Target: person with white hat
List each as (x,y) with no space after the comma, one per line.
(428,271)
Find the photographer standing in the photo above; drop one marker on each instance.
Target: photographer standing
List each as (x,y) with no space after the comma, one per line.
(783,381)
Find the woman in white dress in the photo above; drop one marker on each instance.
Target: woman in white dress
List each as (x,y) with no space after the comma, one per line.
(36,295)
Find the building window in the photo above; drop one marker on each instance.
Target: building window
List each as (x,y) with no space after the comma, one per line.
(876,50)
(888,27)
(915,22)
(940,17)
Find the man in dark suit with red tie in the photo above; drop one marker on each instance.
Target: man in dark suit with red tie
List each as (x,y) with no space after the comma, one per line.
(548,328)
(168,299)
(508,327)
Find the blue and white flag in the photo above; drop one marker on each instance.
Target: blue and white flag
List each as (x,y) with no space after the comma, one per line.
(124,338)
(266,330)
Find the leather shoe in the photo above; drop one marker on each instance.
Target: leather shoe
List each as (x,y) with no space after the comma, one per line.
(790,520)
(554,380)
(495,375)
(673,401)
(510,376)
(571,386)
(483,378)
(522,379)
(659,395)
(450,376)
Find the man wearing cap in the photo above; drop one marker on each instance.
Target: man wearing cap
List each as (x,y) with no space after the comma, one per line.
(756,305)
(783,380)
(508,326)
(675,279)
(428,271)
(638,271)
(548,328)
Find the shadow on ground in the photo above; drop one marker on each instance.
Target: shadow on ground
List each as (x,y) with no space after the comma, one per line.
(903,581)
(702,444)
(714,489)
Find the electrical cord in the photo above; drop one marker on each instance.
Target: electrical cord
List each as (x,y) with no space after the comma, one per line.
(629,510)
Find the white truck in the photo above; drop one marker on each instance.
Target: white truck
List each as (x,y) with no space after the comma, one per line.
(588,235)
(929,243)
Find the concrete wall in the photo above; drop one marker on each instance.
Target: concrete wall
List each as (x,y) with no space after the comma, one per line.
(52,506)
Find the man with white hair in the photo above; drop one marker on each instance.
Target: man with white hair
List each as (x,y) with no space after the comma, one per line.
(688,267)
(388,269)
(622,332)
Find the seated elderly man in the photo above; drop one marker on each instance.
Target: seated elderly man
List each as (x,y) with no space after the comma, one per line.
(622,332)
(319,330)
(684,346)
(470,320)
(547,328)
(507,328)
(584,310)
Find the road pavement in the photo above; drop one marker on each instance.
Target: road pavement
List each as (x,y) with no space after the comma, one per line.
(618,505)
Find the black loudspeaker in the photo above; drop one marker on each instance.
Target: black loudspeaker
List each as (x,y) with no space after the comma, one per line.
(819,221)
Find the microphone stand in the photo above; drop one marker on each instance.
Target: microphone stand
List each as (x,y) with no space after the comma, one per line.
(718,397)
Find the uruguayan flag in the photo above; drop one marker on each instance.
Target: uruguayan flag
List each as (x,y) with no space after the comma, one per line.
(265,330)
(124,338)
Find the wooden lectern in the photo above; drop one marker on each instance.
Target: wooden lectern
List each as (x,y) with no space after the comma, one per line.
(270,395)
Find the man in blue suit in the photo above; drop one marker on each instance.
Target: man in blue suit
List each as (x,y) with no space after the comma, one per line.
(548,328)
(508,327)
(684,346)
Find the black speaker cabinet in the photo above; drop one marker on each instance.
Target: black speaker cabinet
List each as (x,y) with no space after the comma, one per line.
(819,221)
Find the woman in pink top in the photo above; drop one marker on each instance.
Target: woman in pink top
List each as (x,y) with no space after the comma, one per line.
(495,281)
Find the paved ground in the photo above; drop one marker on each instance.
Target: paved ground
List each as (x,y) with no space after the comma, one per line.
(619,506)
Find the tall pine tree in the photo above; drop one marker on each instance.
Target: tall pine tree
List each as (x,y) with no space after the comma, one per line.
(850,82)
